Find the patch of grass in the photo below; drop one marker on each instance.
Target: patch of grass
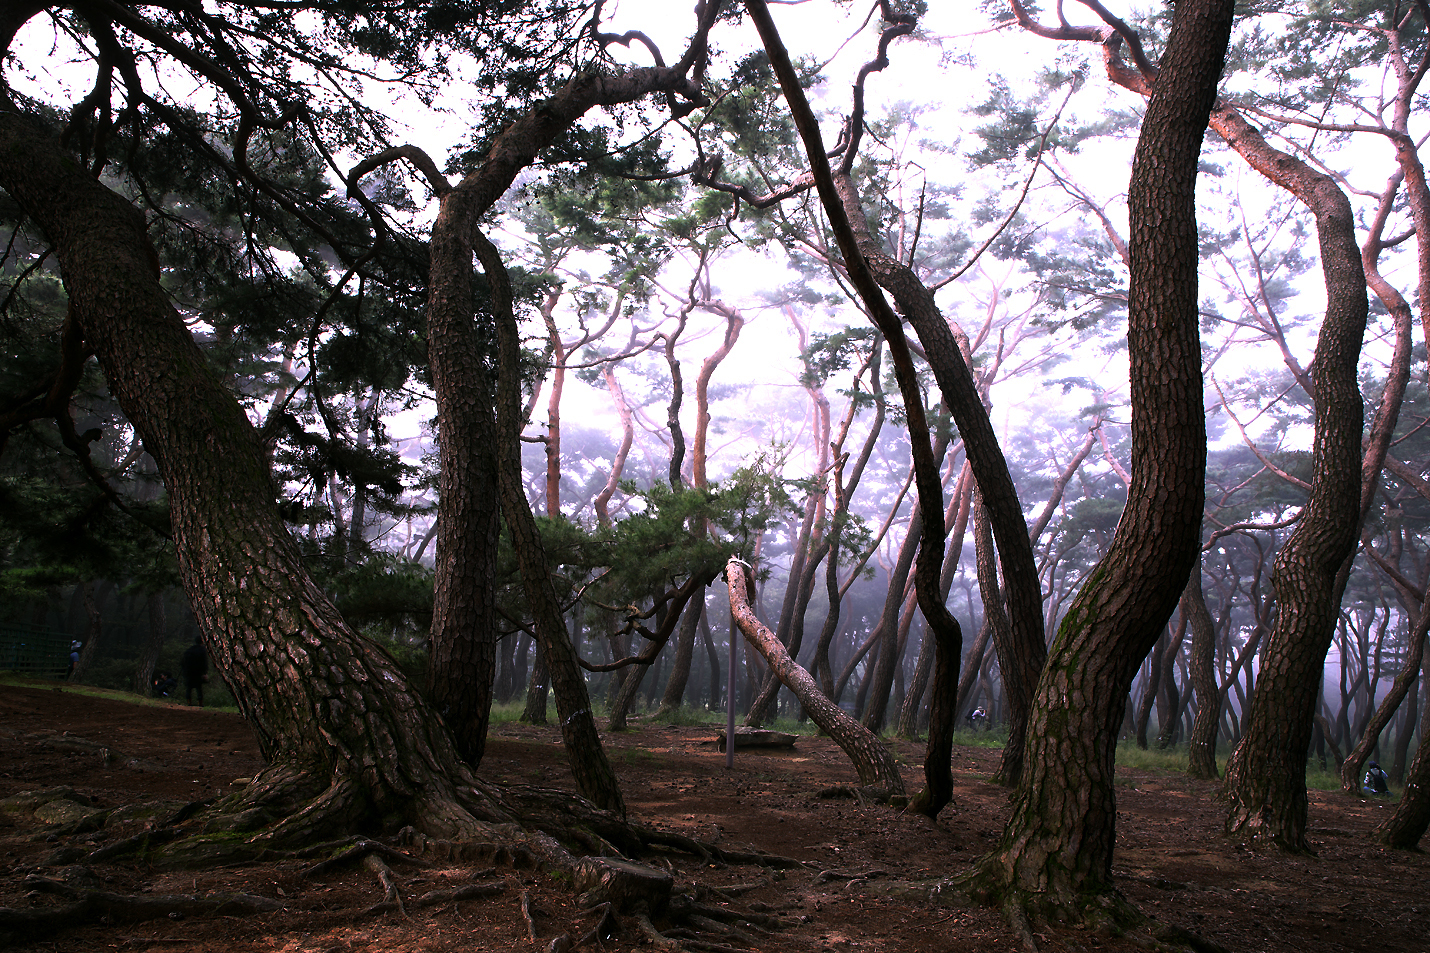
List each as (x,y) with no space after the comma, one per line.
(789,725)
(691,717)
(505,712)
(995,737)
(1327,779)
(1171,760)
(225,701)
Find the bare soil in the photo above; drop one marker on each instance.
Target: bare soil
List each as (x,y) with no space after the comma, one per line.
(1171,860)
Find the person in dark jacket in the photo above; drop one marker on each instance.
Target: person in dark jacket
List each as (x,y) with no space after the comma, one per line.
(1375,781)
(195,665)
(164,685)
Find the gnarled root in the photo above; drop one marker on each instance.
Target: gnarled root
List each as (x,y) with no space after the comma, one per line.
(463,823)
(89,906)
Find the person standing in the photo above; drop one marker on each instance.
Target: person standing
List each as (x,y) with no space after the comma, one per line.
(195,666)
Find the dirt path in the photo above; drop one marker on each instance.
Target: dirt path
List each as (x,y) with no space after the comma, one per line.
(1171,859)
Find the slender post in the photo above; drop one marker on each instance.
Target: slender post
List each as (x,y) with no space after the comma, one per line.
(730,697)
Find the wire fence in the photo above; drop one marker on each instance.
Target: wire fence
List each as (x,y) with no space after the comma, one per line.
(31,650)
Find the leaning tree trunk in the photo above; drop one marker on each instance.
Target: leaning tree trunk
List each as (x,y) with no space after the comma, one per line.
(1412,815)
(595,778)
(1409,673)
(348,740)
(873,762)
(1054,859)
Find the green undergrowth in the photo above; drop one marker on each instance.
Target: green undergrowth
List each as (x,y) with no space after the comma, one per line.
(95,691)
(1173,760)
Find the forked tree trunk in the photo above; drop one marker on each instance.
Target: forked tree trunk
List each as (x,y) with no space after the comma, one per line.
(462,642)
(674,694)
(594,776)
(1021,589)
(1055,856)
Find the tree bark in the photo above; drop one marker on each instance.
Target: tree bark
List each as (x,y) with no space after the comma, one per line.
(595,778)
(1412,815)
(153,645)
(462,642)
(1055,855)
(331,716)
(1201,745)
(1266,774)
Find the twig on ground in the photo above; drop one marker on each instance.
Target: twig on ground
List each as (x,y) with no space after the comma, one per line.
(526,915)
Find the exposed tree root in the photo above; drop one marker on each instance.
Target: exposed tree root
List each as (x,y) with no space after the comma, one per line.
(391,896)
(557,833)
(1106,913)
(528,916)
(359,848)
(90,906)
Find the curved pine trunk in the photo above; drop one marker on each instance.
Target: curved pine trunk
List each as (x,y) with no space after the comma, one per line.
(1201,746)
(1266,775)
(1412,815)
(332,716)
(1055,855)
(595,778)
(462,641)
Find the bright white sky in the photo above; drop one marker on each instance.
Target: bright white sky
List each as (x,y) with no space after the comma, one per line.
(944,74)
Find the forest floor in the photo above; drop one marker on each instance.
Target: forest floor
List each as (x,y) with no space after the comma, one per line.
(1171,859)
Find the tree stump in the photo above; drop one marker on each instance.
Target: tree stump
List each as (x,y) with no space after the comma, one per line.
(758,738)
(621,883)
